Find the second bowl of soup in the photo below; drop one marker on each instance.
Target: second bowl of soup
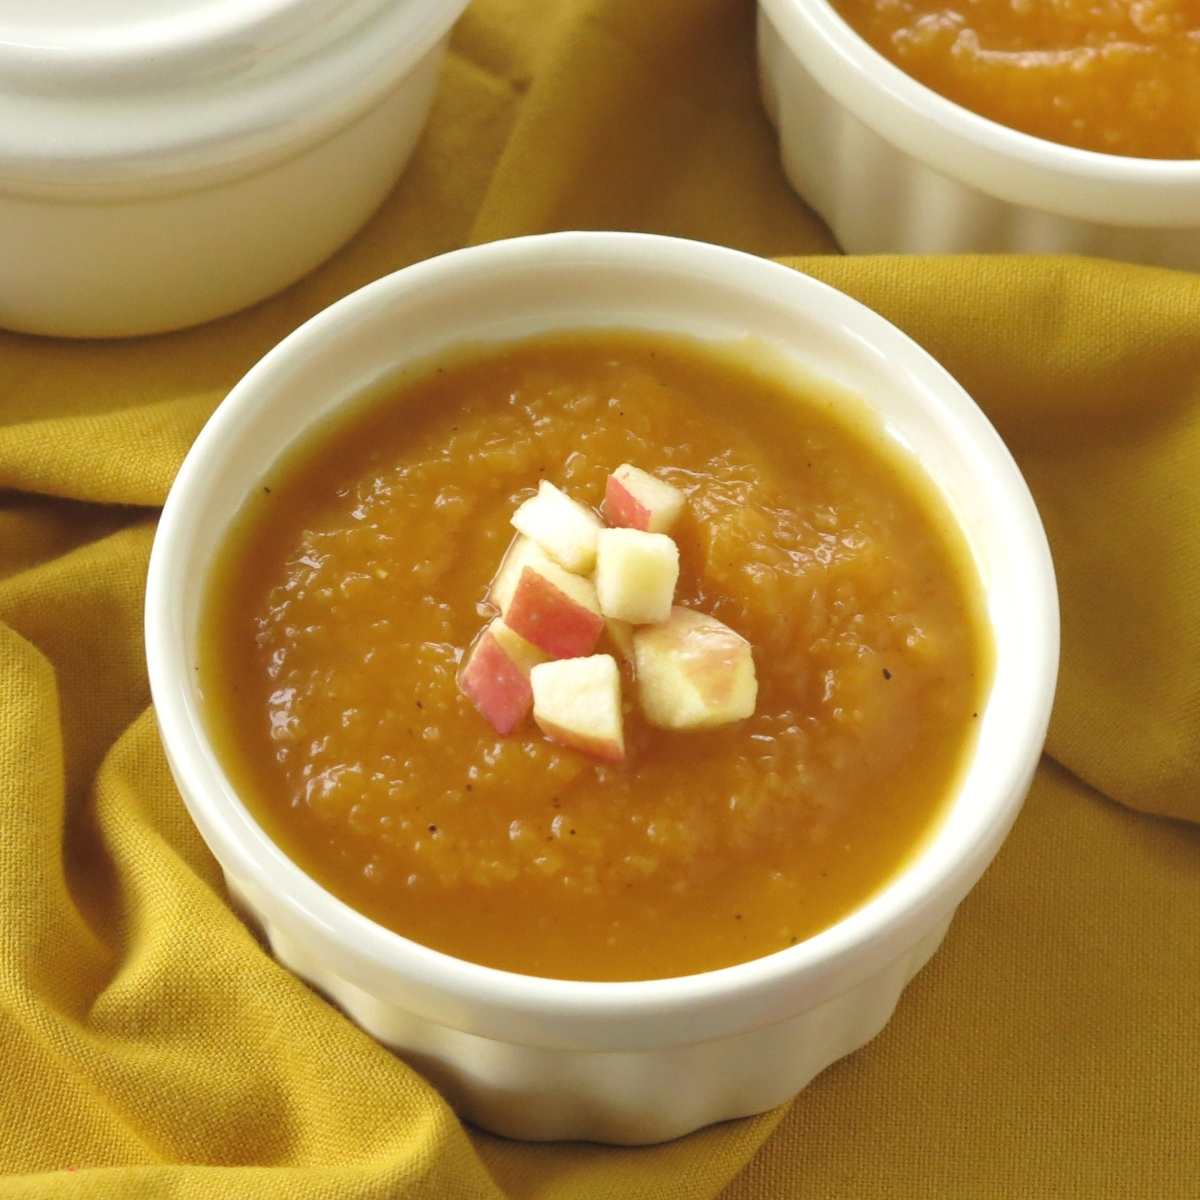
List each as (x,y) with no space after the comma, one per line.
(1044,128)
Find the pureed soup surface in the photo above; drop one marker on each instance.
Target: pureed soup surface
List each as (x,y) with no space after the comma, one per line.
(1117,76)
(352,588)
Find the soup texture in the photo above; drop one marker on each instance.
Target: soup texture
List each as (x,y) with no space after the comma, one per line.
(349,592)
(1117,76)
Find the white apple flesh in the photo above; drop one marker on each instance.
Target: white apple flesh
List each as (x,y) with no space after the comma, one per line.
(693,672)
(577,702)
(636,573)
(562,527)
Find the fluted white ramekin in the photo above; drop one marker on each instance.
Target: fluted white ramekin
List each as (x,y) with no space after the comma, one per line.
(616,1062)
(894,167)
(164,165)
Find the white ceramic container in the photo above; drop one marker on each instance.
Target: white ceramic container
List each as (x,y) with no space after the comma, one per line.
(165,163)
(893,167)
(614,1062)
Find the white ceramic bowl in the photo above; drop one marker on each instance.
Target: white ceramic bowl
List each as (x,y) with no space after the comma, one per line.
(615,1062)
(165,163)
(893,166)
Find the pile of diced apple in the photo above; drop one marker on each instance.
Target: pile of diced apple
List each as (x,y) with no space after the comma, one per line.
(566,581)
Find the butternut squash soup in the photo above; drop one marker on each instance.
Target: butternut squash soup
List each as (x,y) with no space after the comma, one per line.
(761,737)
(1117,76)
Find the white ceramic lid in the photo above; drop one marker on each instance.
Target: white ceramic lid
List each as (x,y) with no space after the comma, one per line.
(136,94)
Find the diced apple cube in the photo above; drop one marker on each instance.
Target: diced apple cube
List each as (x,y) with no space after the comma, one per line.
(562,527)
(693,672)
(557,611)
(496,676)
(636,573)
(620,633)
(521,553)
(637,500)
(577,701)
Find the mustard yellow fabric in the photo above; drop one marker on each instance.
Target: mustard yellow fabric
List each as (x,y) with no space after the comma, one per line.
(148,1045)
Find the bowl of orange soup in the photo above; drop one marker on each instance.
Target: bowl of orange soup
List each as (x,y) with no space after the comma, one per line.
(926,127)
(601,664)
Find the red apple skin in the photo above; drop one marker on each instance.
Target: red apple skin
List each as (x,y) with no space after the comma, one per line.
(551,620)
(601,748)
(622,509)
(497,687)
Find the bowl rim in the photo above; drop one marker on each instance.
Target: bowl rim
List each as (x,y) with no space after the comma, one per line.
(1022,168)
(544,1011)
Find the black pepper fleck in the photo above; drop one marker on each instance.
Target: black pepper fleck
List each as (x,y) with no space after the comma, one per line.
(433,829)
(886,673)
(420,705)
(266,490)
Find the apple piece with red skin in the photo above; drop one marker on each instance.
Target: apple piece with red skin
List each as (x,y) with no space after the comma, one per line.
(635,499)
(577,702)
(557,611)
(496,676)
(636,574)
(552,608)
(562,527)
(520,554)
(693,672)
